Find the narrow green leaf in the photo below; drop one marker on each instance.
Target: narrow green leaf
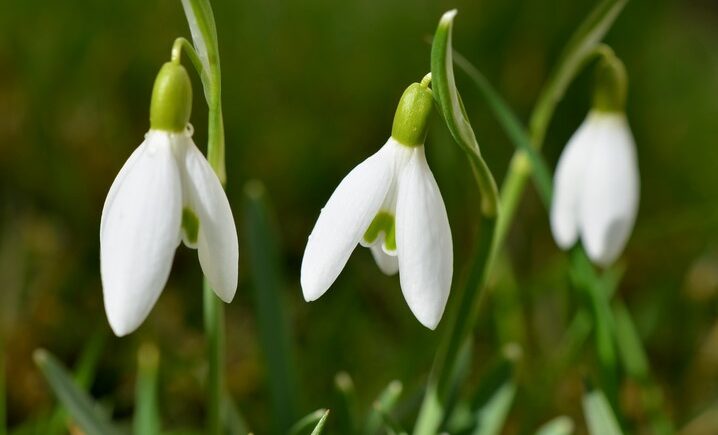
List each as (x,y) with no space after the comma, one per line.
(234,422)
(213,313)
(491,417)
(266,272)
(204,35)
(562,425)
(452,109)
(84,375)
(314,419)
(320,426)
(147,418)
(512,126)
(629,344)
(382,405)
(80,406)
(345,414)
(599,415)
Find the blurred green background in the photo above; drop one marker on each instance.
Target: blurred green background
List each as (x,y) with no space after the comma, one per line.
(309,91)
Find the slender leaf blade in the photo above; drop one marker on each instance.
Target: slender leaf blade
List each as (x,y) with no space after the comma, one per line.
(147,418)
(382,406)
(320,426)
(266,272)
(562,425)
(78,403)
(312,419)
(490,418)
(599,415)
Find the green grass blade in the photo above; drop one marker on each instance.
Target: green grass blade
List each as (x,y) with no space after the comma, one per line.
(320,426)
(84,375)
(562,425)
(443,84)
(630,349)
(78,403)
(147,418)
(382,406)
(234,422)
(346,412)
(599,415)
(511,125)
(313,419)
(266,272)
(490,418)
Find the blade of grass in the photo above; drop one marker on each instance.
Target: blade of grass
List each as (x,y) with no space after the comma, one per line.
(382,405)
(345,414)
(78,403)
(490,418)
(147,418)
(84,375)
(3,392)
(312,419)
(511,125)
(265,267)
(562,425)
(599,415)
(234,422)
(320,426)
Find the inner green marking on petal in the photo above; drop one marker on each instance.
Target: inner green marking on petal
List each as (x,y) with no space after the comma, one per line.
(383,223)
(190,225)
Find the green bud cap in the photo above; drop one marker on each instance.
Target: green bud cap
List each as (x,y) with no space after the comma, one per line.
(412,115)
(171,103)
(611,82)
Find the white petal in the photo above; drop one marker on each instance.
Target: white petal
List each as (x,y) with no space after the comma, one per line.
(424,243)
(139,232)
(343,221)
(610,194)
(217,243)
(568,181)
(389,264)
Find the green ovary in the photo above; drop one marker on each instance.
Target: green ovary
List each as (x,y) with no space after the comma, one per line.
(383,223)
(190,225)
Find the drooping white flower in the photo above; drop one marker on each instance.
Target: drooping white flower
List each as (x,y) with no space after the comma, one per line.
(391,204)
(166,192)
(596,188)
(596,184)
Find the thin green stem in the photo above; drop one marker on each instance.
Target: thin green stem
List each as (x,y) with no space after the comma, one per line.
(146,418)
(214,332)
(181,44)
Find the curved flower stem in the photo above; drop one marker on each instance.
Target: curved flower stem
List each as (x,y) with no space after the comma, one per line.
(182,44)
(204,55)
(494,221)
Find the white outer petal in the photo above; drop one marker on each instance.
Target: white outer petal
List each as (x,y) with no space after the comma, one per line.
(139,232)
(424,243)
(389,264)
(609,199)
(217,243)
(568,183)
(343,221)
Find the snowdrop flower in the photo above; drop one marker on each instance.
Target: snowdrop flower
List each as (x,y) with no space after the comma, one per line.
(164,194)
(391,204)
(596,181)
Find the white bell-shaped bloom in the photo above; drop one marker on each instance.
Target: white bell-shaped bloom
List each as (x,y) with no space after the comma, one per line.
(164,179)
(165,193)
(596,188)
(392,204)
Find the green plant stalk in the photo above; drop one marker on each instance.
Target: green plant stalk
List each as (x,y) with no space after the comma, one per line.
(579,51)
(214,332)
(463,316)
(146,418)
(496,222)
(204,34)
